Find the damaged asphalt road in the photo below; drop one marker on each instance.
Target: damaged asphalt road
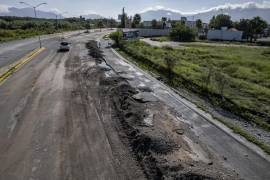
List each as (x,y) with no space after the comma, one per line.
(75,116)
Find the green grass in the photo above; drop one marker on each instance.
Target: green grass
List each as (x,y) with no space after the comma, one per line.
(246,72)
(161,39)
(154,55)
(8,35)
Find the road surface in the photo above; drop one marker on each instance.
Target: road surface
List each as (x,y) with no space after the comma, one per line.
(50,128)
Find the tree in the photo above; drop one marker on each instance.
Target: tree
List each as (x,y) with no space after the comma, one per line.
(258,25)
(182,33)
(100,25)
(163,19)
(199,24)
(123,18)
(29,25)
(112,23)
(136,20)
(221,20)
(251,28)
(245,26)
(154,24)
(117,37)
(3,24)
(87,26)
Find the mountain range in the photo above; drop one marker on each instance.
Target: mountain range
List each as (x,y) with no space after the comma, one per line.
(237,12)
(93,16)
(28,12)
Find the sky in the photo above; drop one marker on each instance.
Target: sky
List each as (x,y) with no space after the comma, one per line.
(110,8)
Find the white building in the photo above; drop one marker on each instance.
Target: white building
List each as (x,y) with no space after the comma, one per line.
(143,32)
(225,34)
(147,24)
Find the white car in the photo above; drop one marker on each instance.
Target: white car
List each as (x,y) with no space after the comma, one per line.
(64,46)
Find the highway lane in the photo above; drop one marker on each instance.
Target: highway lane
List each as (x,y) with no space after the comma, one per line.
(11,52)
(44,131)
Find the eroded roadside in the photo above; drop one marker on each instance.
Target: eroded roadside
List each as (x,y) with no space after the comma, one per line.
(164,147)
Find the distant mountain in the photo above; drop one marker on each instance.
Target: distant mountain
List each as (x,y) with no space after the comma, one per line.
(236,14)
(93,16)
(236,11)
(28,12)
(158,14)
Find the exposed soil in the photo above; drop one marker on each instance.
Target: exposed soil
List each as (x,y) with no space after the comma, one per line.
(163,147)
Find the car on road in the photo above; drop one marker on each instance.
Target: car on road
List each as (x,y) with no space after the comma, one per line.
(64,46)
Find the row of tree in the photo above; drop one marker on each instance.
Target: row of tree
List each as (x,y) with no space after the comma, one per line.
(24,23)
(252,28)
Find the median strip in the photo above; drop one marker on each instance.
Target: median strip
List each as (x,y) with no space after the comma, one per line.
(14,68)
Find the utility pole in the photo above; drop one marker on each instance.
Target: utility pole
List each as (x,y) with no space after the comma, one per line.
(123,21)
(35,7)
(111,23)
(56,26)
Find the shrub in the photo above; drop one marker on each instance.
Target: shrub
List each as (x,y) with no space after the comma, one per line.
(202,37)
(6,33)
(117,37)
(182,33)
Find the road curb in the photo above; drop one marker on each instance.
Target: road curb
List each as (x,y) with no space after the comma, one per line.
(18,65)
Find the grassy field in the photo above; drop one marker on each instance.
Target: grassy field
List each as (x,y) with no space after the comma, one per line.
(236,79)
(8,35)
(161,39)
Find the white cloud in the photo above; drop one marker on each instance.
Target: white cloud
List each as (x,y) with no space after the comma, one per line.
(55,11)
(4,8)
(262,5)
(155,8)
(87,12)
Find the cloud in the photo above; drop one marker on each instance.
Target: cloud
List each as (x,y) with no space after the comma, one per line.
(158,7)
(4,8)
(87,12)
(55,11)
(262,5)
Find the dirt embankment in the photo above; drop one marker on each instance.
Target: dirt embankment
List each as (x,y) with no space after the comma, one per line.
(164,147)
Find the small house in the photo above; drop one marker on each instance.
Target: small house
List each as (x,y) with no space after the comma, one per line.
(225,34)
(130,34)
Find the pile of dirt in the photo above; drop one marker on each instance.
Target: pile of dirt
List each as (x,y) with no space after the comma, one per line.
(149,144)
